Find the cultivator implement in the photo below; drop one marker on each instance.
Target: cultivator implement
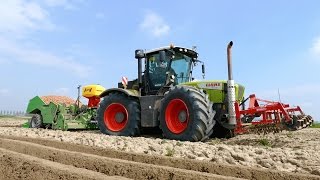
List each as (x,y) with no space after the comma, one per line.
(263,116)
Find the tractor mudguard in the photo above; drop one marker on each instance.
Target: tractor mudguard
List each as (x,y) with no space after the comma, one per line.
(128,92)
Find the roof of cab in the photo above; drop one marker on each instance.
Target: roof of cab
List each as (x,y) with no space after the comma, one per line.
(167,47)
(175,47)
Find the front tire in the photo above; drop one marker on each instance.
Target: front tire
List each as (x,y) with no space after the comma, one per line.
(119,115)
(186,114)
(36,121)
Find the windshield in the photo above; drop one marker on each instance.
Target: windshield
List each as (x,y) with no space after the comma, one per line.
(158,71)
(181,66)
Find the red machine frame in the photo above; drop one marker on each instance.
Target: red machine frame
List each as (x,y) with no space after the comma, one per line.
(270,113)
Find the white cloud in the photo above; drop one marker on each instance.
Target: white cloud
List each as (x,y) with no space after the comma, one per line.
(4,92)
(155,25)
(66,4)
(32,55)
(315,49)
(3,61)
(55,3)
(19,16)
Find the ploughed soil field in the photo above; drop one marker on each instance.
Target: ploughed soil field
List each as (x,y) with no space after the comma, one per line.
(48,154)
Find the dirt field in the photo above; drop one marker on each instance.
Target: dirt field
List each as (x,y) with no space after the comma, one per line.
(12,122)
(91,155)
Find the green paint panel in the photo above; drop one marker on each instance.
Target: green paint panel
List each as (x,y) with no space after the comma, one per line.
(216,89)
(35,104)
(61,117)
(48,112)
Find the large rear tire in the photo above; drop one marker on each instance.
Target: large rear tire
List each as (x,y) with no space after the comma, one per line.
(186,114)
(36,121)
(119,115)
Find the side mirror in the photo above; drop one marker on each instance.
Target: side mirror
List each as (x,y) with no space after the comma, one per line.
(162,56)
(139,54)
(203,69)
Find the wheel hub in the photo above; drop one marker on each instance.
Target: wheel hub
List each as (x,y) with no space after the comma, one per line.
(177,116)
(119,117)
(116,117)
(182,116)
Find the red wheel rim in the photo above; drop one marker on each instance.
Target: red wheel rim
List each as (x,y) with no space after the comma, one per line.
(115,117)
(177,116)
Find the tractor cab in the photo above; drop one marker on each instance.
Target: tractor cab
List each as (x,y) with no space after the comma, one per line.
(167,65)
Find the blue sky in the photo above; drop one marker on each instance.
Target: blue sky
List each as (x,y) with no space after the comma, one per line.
(51,46)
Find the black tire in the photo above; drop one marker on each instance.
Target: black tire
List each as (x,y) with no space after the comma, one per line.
(186,114)
(222,129)
(310,120)
(129,112)
(219,131)
(293,125)
(36,121)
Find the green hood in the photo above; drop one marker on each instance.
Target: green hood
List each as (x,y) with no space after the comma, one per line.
(217,89)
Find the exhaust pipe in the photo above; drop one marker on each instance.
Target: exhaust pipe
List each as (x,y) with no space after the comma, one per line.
(231,89)
(139,54)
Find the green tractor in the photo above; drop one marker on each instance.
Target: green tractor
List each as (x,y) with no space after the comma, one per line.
(63,113)
(166,95)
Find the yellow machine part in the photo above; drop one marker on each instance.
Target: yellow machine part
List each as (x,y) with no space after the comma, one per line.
(93,90)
